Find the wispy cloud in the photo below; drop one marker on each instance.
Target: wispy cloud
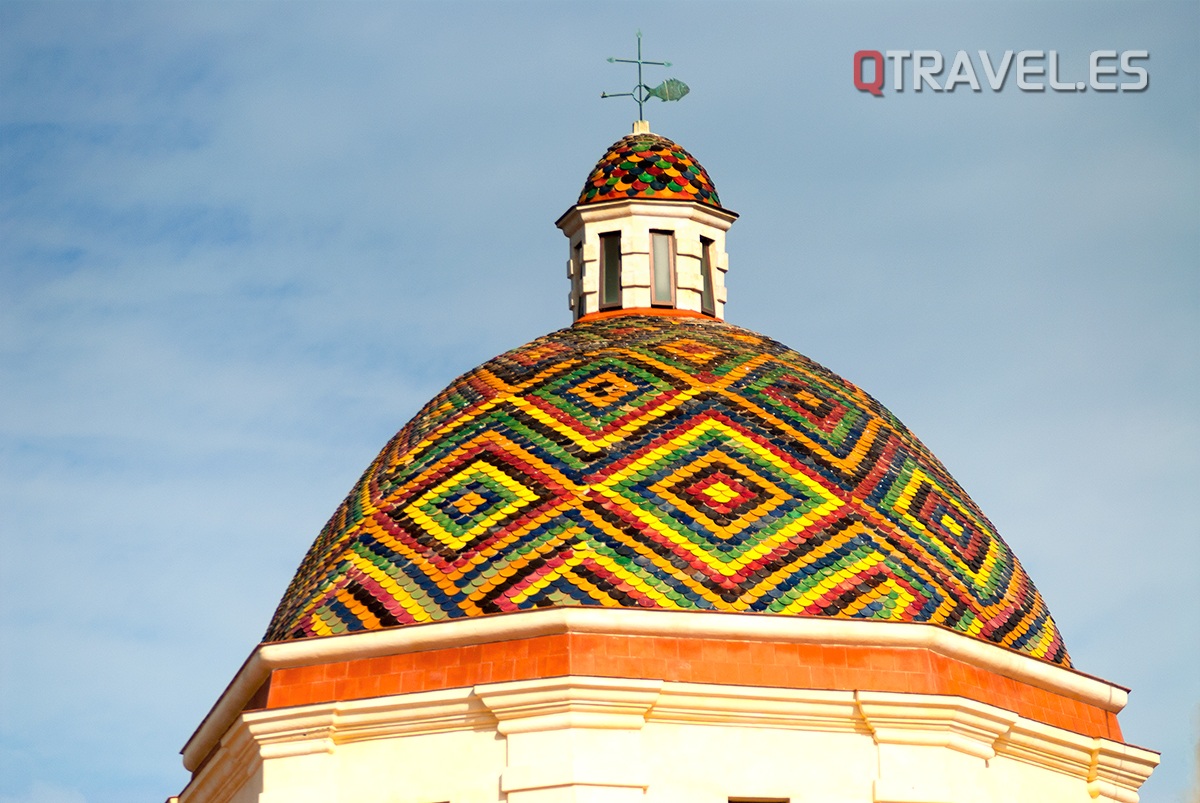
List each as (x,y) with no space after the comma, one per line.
(45,793)
(240,244)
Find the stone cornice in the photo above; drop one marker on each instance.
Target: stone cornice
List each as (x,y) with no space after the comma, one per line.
(611,210)
(701,624)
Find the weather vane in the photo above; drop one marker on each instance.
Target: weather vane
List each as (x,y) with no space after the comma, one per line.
(670,89)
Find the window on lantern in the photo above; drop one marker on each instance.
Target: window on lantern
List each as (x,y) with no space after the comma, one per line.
(610,270)
(662,268)
(708,302)
(577,279)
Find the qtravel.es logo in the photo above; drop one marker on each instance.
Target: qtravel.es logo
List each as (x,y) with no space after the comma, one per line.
(1035,71)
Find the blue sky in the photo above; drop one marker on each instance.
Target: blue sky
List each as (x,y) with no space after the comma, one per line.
(242,243)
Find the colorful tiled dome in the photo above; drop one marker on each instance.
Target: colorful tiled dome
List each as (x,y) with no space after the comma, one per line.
(660,462)
(648,166)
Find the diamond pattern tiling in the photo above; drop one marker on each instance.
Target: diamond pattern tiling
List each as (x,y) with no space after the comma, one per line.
(659,462)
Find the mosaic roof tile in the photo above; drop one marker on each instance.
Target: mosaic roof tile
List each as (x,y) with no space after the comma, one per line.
(648,166)
(655,462)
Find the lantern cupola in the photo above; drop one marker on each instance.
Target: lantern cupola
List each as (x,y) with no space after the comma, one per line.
(648,233)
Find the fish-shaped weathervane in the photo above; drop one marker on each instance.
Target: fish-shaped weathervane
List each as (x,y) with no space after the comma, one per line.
(668,90)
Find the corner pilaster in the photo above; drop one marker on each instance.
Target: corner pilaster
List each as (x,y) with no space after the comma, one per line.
(932,749)
(562,734)
(1118,770)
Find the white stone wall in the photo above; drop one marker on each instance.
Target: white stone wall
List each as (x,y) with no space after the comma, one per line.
(603,740)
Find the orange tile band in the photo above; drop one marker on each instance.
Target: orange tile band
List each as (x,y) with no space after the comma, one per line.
(669,312)
(686,660)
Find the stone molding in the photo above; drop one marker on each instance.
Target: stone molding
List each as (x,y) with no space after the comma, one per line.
(602,211)
(569,702)
(750,706)
(952,722)
(1048,747)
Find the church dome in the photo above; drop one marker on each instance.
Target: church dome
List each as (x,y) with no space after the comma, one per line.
(648,166)
(657,461)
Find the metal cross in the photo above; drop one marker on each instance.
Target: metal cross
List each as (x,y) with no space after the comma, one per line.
(641,92)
